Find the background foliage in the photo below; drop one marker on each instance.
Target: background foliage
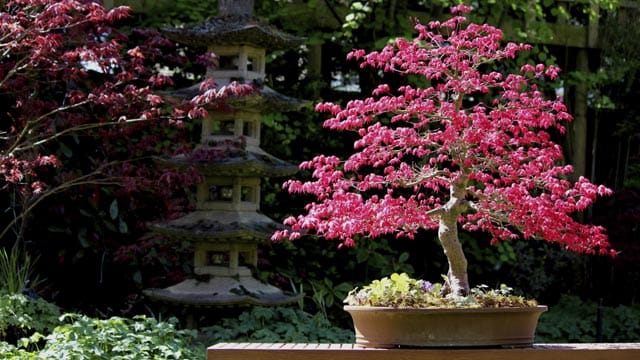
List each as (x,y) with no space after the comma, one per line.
(575,320)
(96,255)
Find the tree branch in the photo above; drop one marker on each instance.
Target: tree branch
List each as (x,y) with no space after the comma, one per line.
(82,180)
(421,177)
(82,127)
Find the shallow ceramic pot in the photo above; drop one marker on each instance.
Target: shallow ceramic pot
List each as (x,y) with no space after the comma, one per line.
(392,327)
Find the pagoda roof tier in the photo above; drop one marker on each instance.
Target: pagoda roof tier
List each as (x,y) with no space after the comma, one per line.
(233,30)
(220,161)
(266,98)
(263,98)
(220,291)
(218,226)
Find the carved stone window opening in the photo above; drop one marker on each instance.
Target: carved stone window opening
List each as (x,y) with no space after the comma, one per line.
(221,193)
(224,127)
(229,62)
(218,258)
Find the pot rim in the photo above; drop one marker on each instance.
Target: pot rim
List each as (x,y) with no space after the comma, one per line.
(538,308)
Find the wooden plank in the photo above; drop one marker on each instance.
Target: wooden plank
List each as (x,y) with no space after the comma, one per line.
(237,351)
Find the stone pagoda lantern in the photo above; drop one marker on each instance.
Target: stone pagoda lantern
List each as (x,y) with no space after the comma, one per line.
(227,225)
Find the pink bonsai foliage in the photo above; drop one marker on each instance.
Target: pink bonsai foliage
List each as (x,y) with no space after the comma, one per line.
(471,150)
(65,73)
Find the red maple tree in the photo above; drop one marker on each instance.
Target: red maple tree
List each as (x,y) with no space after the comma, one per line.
(471,149)
(68,77)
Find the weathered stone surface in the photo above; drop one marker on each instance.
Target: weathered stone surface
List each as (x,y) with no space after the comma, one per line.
(250,162)
(233,30)
(263,98)
(219,226)
(222,291)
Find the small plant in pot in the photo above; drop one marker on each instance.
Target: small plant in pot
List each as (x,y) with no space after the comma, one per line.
(400,290)
(469,148)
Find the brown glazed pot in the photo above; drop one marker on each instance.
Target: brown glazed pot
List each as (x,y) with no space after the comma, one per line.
(458,327)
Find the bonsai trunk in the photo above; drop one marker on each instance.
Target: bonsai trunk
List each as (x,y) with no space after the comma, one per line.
(458,282)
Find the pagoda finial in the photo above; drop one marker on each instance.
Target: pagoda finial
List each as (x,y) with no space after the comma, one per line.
(235,8)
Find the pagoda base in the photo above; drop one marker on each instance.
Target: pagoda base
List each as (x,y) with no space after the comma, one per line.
(221,291)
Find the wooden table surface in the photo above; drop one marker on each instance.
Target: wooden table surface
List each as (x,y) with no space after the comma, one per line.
(305,351)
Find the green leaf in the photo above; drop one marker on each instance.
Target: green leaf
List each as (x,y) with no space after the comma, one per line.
(113,209)
(56,229)
(357,5)
(122,226)
(110,226)
(362,256)
(137,277)
(85,213)
(542,56)
(65,149)
(82,238)
(341,291)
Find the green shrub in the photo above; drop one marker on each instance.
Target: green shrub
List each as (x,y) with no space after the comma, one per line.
(8,351)
(21,316)
(118,338)
(276,324)
(574,320)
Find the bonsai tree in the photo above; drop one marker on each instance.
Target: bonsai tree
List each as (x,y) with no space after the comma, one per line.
(471,149)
